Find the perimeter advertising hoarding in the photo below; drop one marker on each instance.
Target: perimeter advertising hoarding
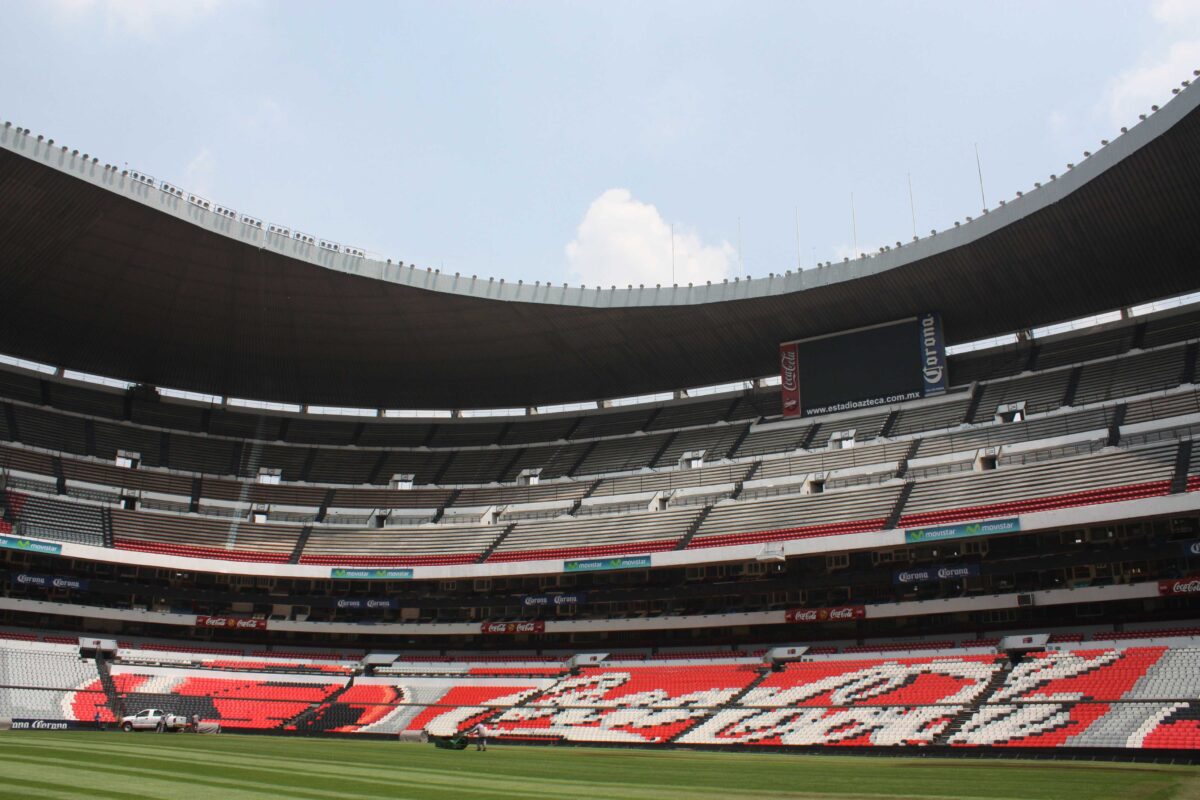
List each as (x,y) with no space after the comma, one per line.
(1191,547)
(945,572)
(22,724)
(365,603)
(565,599)
(863,368)
(30,545)
(233,623)
(509,628)
(1180,586)
(598,564)
(49,581)
(962,531)
(831,614)
(347,574)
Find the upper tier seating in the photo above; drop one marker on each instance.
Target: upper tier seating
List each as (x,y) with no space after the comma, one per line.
(1111,474)
(1133,374)
(203,537)
(796,516)
(670,479)
(595,535)
(333,470)
(831,459)
(1041,391)
(425,545)
(48,518)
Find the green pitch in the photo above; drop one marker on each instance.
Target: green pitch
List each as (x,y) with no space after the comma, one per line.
(72,765)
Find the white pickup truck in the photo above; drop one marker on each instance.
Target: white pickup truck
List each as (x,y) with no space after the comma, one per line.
(152,719)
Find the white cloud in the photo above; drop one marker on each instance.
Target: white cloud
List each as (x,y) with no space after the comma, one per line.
(199,172)
(1177,11)
(623,241)
(1150,81)
(141,18)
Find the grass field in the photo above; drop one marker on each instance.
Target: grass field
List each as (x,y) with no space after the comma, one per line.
(75,764)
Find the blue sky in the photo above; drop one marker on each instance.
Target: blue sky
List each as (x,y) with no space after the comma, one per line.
(565,141)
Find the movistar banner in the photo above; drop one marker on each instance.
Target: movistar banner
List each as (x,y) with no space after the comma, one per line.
(597,564)
(345,574)
(365,603)
(992,526)
(945,572)
(49,581)
(30,545)
(574,598)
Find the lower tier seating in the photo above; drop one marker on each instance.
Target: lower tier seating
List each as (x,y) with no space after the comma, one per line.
(1136,697)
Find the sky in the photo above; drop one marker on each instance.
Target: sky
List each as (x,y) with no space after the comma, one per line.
(595,143)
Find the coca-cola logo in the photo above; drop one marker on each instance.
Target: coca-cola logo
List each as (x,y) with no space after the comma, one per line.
(835,614)
(1185,586)
(787,369)
(513,627)
(203,621)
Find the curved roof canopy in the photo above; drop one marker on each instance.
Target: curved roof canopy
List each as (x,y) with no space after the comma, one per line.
(107,273)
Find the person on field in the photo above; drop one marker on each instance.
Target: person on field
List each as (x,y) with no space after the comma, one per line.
(480,732)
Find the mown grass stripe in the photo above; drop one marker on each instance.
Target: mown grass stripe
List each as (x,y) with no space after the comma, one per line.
(251,768)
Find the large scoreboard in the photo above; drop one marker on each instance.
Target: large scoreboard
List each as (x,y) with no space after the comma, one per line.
(873,366)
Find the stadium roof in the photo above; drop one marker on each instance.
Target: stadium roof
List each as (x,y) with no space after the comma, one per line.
(112,273)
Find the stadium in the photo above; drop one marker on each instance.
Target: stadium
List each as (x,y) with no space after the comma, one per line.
(935,502)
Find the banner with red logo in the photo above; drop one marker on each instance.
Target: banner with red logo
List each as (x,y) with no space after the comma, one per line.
(1180,586)
(538,626)
(833,614)
(236,623)
(789,379)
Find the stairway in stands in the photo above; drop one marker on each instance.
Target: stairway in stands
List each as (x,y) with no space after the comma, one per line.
(106,528)
(110,688)
(309,718)
(491,548)
(686,539)
(451,500)
(897,511)
(741,483)
(764,673)
(301,542)
(1183,463)
(969,710)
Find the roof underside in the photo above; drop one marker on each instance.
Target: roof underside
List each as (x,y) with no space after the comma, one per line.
(97,282)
